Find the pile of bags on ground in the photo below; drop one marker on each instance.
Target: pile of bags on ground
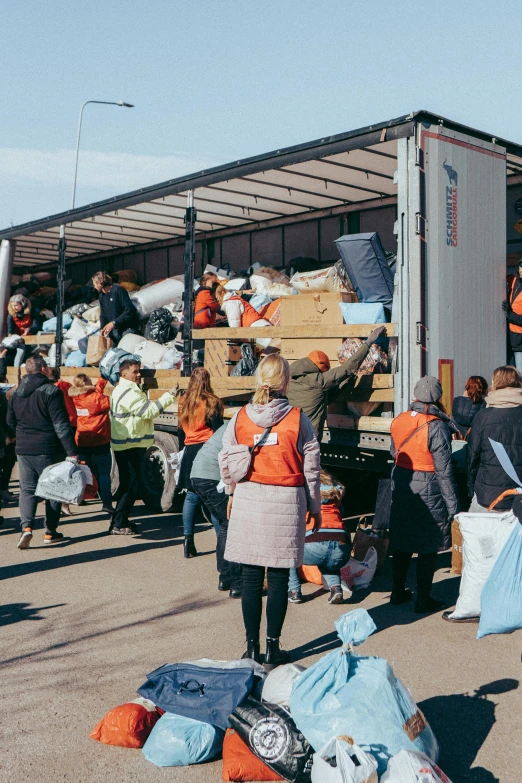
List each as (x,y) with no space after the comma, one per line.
(346,719)
(491,585)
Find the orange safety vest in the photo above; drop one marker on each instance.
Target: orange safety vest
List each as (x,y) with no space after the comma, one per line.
(279,464)
(199,432)
(412,449)
(332,527)
(250,315)
(516,304)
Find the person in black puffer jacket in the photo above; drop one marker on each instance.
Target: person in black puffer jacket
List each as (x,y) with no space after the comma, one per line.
(501,421)
(38,419)
(465,408)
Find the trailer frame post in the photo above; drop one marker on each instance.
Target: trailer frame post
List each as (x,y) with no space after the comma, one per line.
(189,258)
(7,249)
(60,292)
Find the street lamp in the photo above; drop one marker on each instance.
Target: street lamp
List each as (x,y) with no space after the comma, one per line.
(106,103)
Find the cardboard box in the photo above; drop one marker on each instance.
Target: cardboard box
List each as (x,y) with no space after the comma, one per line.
(298,349)
(221,356)
(314,309)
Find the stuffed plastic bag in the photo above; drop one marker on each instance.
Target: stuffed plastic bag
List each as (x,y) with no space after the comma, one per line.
(177,742)
(483,536)
(110,363)
(277,688)
(319,280)
(248,362)
(340,761)
(501,598)
(76,359)
(128,725)
(64,482)
(271,283)
(160,326)
(348,694)
(358,574)
(270,733)
(239,763)
(409,767)
(375,362)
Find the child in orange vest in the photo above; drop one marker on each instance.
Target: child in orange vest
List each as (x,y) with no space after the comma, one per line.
(329,548)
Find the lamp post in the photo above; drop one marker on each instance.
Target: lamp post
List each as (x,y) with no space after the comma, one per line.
(60,275)
(106,103)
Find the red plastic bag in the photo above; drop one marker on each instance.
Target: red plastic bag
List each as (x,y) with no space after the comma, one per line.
(128,725)
(91,490)
(239,763)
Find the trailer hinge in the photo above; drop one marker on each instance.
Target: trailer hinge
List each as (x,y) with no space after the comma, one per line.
(418,156)
(418,223)
(420,328)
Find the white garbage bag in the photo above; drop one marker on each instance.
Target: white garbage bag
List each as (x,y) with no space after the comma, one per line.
(341,761)
(412,767)
(318,281)
(358,574)
(277,688)
(483,536)
(158,295)
(64,482)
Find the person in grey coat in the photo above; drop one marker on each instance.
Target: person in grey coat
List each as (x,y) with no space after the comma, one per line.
(424,494)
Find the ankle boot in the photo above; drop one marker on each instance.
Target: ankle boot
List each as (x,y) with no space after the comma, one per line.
(274,656)
(252,650)
(189,549)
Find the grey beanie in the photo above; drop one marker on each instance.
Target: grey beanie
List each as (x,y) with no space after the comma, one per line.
(428,389)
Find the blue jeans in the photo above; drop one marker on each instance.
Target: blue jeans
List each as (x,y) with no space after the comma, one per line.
(191,506)
(328,556)
(518,360)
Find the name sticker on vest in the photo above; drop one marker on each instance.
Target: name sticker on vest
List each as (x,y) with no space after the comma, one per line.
(82,411)
(270,441)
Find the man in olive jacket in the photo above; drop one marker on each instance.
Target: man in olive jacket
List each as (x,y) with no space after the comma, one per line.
(311,380)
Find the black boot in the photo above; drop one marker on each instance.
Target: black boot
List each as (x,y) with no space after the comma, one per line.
(189,549)
(425,604)
(252,650)
(274,656)
(400,564)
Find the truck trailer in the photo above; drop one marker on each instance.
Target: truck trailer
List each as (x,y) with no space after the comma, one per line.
(445,198)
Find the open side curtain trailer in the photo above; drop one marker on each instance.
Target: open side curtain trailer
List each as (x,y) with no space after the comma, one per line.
(445,198)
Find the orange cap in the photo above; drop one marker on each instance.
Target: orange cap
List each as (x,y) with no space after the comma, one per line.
(320,359)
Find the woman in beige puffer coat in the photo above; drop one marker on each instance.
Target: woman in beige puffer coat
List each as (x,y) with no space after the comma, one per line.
(269,508)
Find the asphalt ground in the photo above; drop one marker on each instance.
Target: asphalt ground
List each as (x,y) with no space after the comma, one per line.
(84,621)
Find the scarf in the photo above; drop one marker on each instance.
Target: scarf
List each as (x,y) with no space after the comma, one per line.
(504,398)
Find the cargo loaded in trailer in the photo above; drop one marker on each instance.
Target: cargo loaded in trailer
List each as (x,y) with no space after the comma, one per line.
(433,191)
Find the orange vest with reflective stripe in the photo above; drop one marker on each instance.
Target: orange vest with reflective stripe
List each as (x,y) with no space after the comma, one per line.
(516,305)
(279,464)
(414,455)
(249,314)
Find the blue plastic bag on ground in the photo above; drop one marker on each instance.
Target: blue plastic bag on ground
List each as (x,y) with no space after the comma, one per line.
(345,694)
(501,597)
(177,742)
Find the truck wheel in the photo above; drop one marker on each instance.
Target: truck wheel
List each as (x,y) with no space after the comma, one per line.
(157,477)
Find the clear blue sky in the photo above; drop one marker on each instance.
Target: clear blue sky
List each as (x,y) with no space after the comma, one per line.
(218,80)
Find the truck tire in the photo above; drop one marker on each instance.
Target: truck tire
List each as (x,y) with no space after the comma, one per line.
(157,477)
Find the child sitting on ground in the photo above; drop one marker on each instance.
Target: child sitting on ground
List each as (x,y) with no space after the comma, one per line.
(329,548)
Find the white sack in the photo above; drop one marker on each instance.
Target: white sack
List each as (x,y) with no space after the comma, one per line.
(151,298)
(346,770)
(411,767)
(483,536)
(320,280)
(277,688)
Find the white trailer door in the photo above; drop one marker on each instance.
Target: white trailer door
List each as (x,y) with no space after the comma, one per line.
(463,256)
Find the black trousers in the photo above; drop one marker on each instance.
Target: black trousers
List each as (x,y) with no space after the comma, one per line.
(253,577)
(217,503)
(425,571)
(7,466)
(129,465)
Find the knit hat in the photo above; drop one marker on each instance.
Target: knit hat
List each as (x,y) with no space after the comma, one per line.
(320,359)
(428,389)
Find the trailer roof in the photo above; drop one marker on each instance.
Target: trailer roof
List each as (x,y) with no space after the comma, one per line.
(323,175)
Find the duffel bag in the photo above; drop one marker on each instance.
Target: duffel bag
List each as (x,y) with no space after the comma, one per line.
(205,693)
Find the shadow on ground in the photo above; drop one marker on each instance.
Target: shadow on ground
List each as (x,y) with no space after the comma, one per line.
(16,613)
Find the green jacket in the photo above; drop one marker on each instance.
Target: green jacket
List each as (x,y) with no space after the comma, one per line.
(309,387)
(132,416)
